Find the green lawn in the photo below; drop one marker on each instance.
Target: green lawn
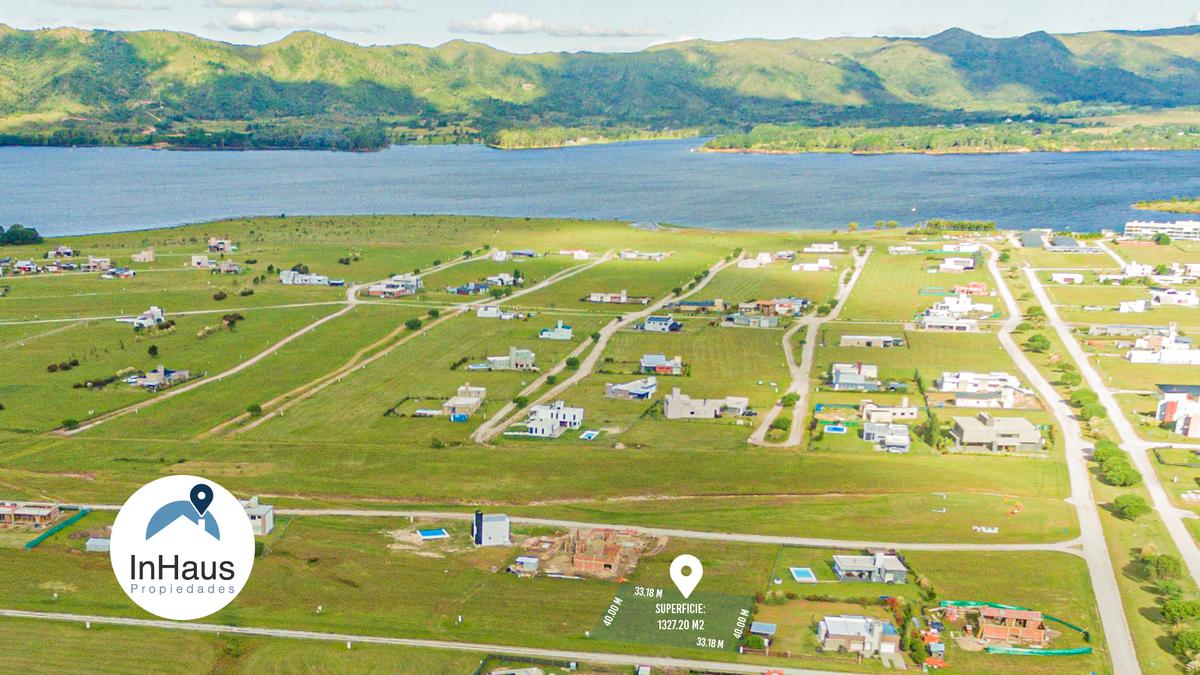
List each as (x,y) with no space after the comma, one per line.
(889,289)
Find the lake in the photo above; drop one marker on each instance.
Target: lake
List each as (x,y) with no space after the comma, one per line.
(86,190)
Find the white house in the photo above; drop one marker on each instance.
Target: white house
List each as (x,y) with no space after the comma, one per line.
(200,262)
(146,256)
(830,247)
(655,256)
(1066,278)
(397,286)
(901,250)
(966,381)
(147,319)
(956,264)
(494,312)
(959,305)
(1135,269)
(637,390)
(294,278)
(1132,306)
(677,406)
(560,331)
(661,324)
(871,411)
(490,530)
(553,420)
(1180,229)
(262,516)
(1170,349)
(947,323)
(502,279)
(821,265)
(962,247)
(516,359)
(499,255)
(576,253)
(1174,296)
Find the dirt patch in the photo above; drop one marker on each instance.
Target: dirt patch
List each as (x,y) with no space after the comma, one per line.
(224,469)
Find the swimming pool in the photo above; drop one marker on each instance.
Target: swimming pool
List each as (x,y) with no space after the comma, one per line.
(803,575)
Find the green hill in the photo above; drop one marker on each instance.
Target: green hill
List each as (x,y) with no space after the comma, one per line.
(308,90)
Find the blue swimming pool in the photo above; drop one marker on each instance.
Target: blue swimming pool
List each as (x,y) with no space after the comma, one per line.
(803,575)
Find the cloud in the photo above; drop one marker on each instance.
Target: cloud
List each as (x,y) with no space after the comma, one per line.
(511,23)
(99,4)
(341,6)
(253,22)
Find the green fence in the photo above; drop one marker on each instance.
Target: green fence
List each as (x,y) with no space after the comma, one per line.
(32,543)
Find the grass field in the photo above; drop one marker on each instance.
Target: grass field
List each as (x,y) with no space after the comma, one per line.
(775,281)
(890,287)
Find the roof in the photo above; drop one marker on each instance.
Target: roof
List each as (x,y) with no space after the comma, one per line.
(999,613)
(658,360)
(847,625)
(891,563)
(495,518)
(975,430)
(1189,389)
(1031,239)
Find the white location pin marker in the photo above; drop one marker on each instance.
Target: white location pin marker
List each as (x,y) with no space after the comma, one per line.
(686,581)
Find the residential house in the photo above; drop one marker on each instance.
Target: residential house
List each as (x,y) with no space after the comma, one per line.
(1066,278)
(948,323)
(397,286)
(228,267)
(576,253)
(962,247)
(872,412)
(1032,240)
(1011,626)
(95,264)
(560,331)
(523,253)
(470,288)
(494,312)
(987,433)
(878,568)
(490,530)
(677,406)
(661,324)
(220,245)
(25,267)
(854,377)
(1133,306)
(901,250)
(830,247)
(655,256)
(967,381)
(637,390)
(870,341)
(517,359)
(1136,270)
(1174,297)
(972,288)
(1179,407)
(160,378)
(502,279)
(465,402)
(294,278)
(622,298)
(1171,349)
(553,420)
(146,256)
(955,264)
(820,265)
(60,252)
(201,262)
(28,514)
(147,319)
(659,364)
(262,516)
(893,438)
(699,306)
(499,255)
(959,305)
(751,321)
(1180,229)
(788,255)
(863,635)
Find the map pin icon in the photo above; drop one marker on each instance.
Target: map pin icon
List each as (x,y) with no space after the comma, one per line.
(686,581)
(202,496)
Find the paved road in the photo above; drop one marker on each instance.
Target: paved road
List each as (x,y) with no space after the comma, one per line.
(1069,546)
(510,414)
(482,648)
(1095,550)
(1112,254)
(801,372)
(188,312)
(1171,516)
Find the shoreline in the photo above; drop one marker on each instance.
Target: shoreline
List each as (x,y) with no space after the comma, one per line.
(938,153)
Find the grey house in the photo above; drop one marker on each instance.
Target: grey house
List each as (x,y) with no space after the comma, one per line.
(879,568)
(987,433)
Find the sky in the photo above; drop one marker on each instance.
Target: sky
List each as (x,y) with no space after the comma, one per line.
(596,25)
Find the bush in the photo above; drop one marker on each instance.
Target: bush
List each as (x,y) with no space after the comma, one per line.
(254,409)
(70,423)
(596,336)
(1118,471)
(789,400)
(1187,643)
(1093,411)
(781,423)
(551,379)
(1084,397)
(1180,611)
(1131,507)
(153,350)
(52,368)
(412,324)
(1162,567)
(1070,379)
(573,363)
(434,313)
(521,401)
(220,295)
(1105,450)
(1037,343)
(246,292)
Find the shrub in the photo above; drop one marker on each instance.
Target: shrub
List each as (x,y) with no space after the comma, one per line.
(434,313)
(70,423)
(781,423)
(1070,379)
(1131,507)
(573,363)
(254,409)
(52,368)
(1161,567)
(1093,411)
(245,292)
(412,324)
(1084,397)
(1179,611)
(521,401)
(789,400)
(153,350)
(1187,642)
(1037,343)
(220,295)
(551,379)
(1105,450)
(1118,471)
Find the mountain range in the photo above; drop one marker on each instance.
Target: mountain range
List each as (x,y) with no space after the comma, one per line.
(68,85)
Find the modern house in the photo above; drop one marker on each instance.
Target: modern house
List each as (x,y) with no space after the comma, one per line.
(465,402)
(661,324)
(622,298)
(879,568)
(228,267)
(870,341)
(971,288)
(294,278)
(1133,306)
(659,364)
(220,245)
(560,331)
(986,433)
(1180,229)
(1160,296)
(201,262)
(1066,278)
(95,264)
(262,516)
(494,312)
(147,319)
(160,378)
(820,265)
(397,286)
(699,306)
(678,406)
(517,359)
(854,377)
(502,279)
(948,323)
(873,412)
(60,252)
(28,514)
(890,437)
(863,635)
(1169,349)
(146,256)
(1179,407)
(490,529)
(1032,240)
(901,250)
(637,390)
(956,264)
(967,381)
(830,247)
(655,256)
(739,320)
(553,420)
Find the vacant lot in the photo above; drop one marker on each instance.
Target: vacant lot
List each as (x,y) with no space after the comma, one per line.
(890,288)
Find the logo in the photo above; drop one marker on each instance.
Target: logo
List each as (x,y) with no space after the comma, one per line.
(182,547)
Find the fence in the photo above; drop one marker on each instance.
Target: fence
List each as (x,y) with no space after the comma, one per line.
(32,544)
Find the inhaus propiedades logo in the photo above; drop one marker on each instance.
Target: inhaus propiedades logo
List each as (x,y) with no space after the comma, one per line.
(182,547)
